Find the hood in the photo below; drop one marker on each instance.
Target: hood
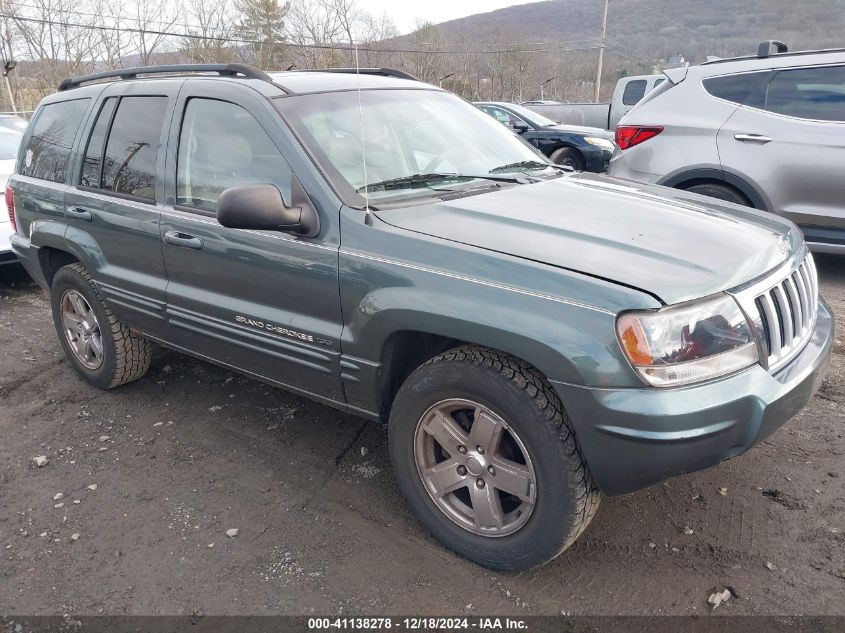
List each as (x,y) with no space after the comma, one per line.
(578,129)
(671,244)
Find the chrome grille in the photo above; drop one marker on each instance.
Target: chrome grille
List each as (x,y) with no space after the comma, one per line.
(785,305)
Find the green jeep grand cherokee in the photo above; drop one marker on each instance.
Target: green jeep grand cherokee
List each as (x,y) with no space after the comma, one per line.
(534,338)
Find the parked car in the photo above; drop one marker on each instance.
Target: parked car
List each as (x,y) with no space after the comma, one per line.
(10,139)
(539,102)
(582,149)
(627,93)
(533,338)
(13,121)
(766,131)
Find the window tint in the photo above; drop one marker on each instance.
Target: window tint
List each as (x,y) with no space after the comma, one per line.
(94,152)
(634,91)
(222,145)
(809,93)
(130,158)
(49,145)
(735,88)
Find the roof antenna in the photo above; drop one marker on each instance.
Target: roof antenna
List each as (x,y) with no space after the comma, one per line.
(368,218)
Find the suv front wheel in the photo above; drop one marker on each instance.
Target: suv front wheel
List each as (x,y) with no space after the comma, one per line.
(99,347)
(488,461)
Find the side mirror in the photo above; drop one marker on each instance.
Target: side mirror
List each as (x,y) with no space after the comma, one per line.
(520,128)
(262,208)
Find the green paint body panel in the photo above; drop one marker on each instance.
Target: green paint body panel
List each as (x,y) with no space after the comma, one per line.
(540,271)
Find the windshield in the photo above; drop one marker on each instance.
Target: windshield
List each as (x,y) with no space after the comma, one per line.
(9,142)
(532,117)
(406,134)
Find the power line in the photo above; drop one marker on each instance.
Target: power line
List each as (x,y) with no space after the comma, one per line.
(541,48)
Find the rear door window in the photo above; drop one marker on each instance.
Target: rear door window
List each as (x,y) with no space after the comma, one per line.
(125,162)
(736,88)
(48,149)
(634,91)
(93,164)
(808,93)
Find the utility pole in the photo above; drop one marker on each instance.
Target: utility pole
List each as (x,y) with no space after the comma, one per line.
(8,67)
(601,51)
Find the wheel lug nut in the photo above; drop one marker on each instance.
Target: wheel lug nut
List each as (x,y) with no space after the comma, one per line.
(479,450)
(480,482)
(462,450)
(462,470)
(491,470)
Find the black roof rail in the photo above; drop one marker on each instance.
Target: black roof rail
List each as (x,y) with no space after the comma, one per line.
(224,70)
(764,49)
(384,72)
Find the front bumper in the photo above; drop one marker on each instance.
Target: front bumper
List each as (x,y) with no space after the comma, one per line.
(633,438)
(596,159)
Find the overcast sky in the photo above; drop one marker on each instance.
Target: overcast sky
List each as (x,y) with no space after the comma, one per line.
(405,13)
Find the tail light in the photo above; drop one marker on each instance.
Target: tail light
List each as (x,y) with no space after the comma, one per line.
(10,205)
(630,135)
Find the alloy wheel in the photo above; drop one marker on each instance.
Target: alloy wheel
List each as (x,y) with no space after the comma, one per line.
(82,330)
(475,467)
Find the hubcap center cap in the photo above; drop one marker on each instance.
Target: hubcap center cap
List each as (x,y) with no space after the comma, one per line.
(475,464)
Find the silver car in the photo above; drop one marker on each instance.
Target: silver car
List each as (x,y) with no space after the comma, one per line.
(766,131)
(10,138)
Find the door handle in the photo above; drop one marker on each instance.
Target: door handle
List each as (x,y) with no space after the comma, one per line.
(175,238)
(78,213)
(753,138)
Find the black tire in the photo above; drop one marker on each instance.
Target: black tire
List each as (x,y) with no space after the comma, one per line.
(568,157)
(566,495)
(721,192)
(125,356)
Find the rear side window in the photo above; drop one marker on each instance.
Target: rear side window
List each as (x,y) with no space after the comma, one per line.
(634,91)
(809,93)
(125,162)
(92,166)
(48,149)
(735,88)
(222,145)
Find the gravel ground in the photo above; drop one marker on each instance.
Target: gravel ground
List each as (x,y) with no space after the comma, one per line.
(192,451)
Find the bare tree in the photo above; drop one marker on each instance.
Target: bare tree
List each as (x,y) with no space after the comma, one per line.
(312,26)
(151,19)
(212,23)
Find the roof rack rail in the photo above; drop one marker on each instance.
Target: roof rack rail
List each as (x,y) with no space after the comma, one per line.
(820,51)
(384,72)
(224,70)
(764,49)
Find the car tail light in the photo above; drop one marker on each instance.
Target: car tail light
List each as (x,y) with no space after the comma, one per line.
(630,135)
(10,205)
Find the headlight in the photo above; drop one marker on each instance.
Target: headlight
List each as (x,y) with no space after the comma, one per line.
(601,142)
(689,343)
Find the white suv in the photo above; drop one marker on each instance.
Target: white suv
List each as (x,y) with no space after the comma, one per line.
(766,131)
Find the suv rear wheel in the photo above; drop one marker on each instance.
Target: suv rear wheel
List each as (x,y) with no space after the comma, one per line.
(488,461)
(100,348)
(721,192)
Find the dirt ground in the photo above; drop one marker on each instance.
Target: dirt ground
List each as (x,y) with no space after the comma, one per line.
(192,451)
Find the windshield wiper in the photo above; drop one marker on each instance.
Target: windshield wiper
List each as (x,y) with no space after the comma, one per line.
(531,165)
(423,179)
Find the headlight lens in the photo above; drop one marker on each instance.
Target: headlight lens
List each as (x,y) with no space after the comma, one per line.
(689,343)
(601,142)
